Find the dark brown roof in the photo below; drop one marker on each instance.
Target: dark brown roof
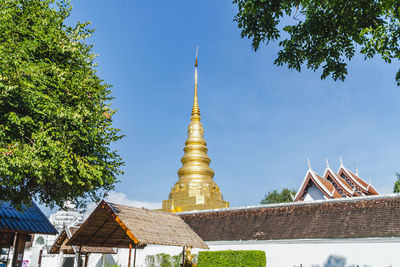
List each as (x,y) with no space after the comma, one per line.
(113,225)
(61,240)
(358,217)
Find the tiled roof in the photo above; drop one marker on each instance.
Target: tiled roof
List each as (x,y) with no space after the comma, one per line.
(321,183)
(358,217)
(332,192)
(345,183)
(348,191)
(30,220)
(369,187)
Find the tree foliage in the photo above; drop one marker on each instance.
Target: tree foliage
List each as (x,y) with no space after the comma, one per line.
(396,188)
(55,116)
(323,33)
(278,197)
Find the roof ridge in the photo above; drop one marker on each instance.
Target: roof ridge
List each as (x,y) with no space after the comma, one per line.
(302,203)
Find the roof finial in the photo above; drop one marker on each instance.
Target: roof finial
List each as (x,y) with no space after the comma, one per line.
(308,162)
(341,161)
(356,170)
(327,162)
(196,109)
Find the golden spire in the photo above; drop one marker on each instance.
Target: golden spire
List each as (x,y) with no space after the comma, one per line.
(195,109)
(195,189)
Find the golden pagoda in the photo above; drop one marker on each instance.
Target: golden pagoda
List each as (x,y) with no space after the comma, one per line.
(195,189)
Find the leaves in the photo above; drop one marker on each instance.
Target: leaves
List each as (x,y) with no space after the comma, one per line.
(54,137)
(278,197)
(396,188)
(322,34)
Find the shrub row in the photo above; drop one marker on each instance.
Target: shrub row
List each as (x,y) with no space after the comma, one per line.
(254,258)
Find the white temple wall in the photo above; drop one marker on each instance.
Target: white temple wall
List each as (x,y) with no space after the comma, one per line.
(380,252)
(362,252)
(313,193)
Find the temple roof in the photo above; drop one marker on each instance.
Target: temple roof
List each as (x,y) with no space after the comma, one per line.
(322,184)
(344,183)
(361,217)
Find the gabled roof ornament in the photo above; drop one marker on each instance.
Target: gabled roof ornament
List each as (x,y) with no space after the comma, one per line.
(327,163)
(308,162)
(356,170)
(341,161)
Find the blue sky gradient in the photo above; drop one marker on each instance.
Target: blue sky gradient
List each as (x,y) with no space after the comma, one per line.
(261,121)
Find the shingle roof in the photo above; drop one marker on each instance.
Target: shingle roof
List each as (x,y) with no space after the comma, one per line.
(30,220)
(113,225)
(358,217)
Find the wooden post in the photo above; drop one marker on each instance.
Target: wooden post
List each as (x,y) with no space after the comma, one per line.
(86,259)
(19,249)
(183,257)
(79,256)
(130,252)
(40,258)
(134,257)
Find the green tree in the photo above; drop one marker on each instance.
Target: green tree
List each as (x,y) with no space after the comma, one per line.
(278,197)
(55,115)
(323,33)
(163,260)
(396,188)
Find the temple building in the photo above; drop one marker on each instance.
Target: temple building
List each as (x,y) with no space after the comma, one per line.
(195,189)
(340,184)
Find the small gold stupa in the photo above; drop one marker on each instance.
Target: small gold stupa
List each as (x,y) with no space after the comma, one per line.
(195,189)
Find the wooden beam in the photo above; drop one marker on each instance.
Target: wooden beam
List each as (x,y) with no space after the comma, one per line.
(101,226)
(130,251)
(113,232)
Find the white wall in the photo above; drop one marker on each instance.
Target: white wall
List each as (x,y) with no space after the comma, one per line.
(362,252)
(379,252)
(313,193)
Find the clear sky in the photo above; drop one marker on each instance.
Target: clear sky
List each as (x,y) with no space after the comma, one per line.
(261,121)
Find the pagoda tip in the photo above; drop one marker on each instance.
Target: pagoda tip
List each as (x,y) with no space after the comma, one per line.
(197,52)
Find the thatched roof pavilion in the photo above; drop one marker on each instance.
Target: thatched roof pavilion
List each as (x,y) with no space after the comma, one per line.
(113,225)
(119,226)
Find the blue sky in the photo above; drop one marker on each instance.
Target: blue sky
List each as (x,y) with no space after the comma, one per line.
(261,121)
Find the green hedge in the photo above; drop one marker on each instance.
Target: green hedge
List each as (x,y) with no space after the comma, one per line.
(254,258)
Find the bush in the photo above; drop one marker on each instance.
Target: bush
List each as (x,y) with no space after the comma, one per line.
(163,260)
(254,258)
